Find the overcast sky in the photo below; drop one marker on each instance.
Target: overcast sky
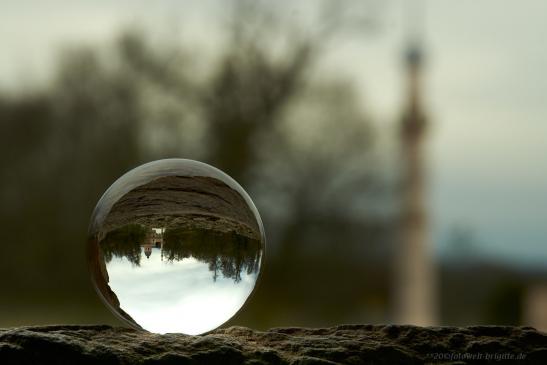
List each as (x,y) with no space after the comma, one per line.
(486,95)
(178,296)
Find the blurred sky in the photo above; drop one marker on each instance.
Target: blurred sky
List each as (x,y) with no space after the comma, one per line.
(486,94)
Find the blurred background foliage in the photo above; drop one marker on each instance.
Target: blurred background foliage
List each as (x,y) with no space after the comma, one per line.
(298,140)
(111,109)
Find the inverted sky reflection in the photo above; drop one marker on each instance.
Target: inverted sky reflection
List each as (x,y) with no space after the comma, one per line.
(176,296)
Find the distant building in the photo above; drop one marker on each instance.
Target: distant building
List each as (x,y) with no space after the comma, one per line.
(535,306)
(154,239)
(414,292)
(147,250)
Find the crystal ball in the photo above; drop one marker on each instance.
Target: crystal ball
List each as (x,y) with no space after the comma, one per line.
(175,246)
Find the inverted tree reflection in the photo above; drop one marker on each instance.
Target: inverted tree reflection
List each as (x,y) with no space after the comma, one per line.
(226,253)
(124,242)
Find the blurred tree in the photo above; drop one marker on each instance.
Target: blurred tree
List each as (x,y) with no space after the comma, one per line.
(304,148)
(59,148)
(299,141)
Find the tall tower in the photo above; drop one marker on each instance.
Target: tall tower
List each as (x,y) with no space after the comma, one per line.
(414,269)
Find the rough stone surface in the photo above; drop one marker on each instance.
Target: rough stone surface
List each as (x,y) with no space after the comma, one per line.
(348,344)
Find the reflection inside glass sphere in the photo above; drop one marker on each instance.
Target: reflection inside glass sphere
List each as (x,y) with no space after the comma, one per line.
(175,246)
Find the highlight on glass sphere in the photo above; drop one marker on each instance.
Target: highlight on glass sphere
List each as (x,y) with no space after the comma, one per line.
(175,246)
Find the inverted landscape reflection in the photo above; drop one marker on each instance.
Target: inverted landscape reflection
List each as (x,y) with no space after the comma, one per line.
(226,253)
(175,246)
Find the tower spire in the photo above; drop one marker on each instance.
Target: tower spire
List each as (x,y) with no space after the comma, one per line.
(414,276)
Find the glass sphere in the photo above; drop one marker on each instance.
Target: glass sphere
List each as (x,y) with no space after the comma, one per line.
(175,246)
